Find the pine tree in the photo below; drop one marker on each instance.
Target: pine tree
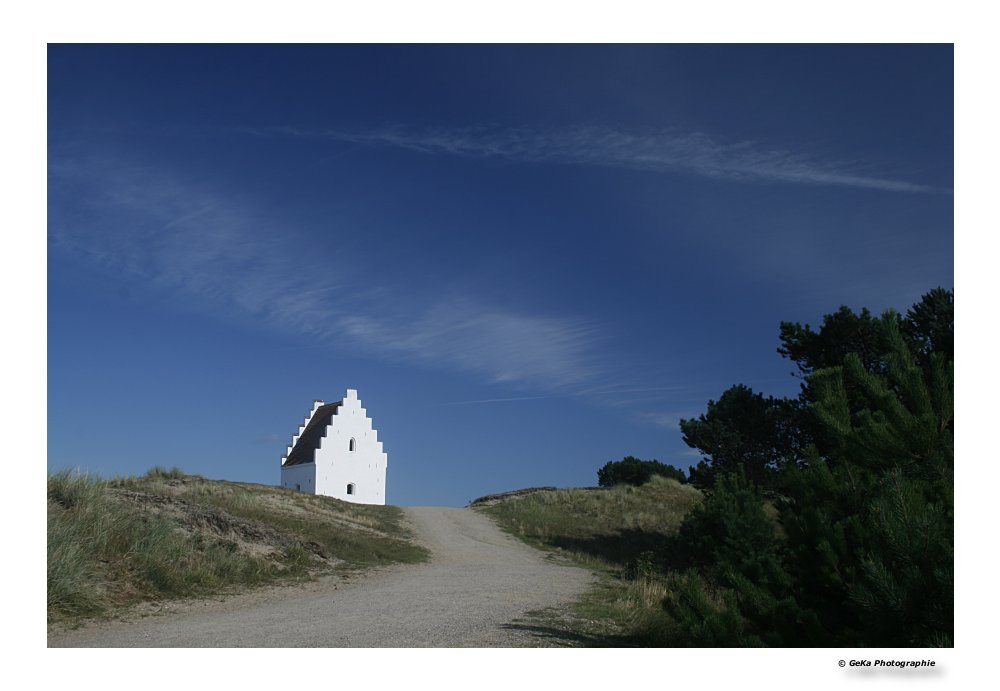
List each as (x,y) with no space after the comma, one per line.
(930,325)
(743,432)
(866,556)
(736,547)
(871,529)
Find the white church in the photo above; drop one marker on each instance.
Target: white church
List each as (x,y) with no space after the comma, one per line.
(336,452)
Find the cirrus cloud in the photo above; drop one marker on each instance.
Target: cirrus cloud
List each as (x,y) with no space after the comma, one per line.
(694,153)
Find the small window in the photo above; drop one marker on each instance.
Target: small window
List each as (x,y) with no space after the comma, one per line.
(297,488)
(350,487)
(351,445)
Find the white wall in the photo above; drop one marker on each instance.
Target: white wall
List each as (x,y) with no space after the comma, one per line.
(303,475)
(337,465)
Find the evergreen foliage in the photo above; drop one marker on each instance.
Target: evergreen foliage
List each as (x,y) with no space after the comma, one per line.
(929,326)
(708,620)
(736,546)
(841,333)
(731,532)
(634,471)
(872,528)
(865,554)
(746,433)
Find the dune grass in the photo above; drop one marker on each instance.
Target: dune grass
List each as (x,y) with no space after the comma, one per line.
(358,534)
(624,534)
(115,543)
(104,552)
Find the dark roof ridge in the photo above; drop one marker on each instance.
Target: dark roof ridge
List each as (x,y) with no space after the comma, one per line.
(305,448)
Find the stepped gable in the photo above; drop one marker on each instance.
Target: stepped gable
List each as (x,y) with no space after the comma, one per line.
(312,435)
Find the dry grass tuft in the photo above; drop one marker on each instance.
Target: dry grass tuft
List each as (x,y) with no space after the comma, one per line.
(113,544)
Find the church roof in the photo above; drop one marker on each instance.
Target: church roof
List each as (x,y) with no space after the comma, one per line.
(309,440)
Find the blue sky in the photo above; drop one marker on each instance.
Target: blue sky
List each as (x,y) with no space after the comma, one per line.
(529,260)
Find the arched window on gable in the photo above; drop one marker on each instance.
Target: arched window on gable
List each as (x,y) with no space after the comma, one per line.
(350,488)
(351,445)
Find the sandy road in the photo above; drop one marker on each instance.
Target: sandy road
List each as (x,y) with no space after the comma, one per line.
(478,580)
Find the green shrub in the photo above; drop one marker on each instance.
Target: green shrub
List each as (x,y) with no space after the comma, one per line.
(737,547)
(731,532)
(634,471)
(643,566)
(707,622)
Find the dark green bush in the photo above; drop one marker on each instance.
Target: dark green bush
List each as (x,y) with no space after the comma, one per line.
(707,621)
(731,532)
(634,471)
(736,546)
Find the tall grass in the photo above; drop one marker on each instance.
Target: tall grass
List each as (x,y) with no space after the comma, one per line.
(158,471)
(614,525)
(79,526)
(103,552)
(624,533)
(110,547)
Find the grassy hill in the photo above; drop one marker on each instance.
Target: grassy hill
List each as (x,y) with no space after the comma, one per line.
(621,532)
(115,543)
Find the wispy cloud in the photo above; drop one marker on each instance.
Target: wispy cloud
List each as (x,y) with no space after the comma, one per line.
(617,390)
(666,420)
(498,400)
(504,346)
(695,153)
(222,256)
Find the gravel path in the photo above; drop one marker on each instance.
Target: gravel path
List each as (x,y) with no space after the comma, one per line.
(479,580)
